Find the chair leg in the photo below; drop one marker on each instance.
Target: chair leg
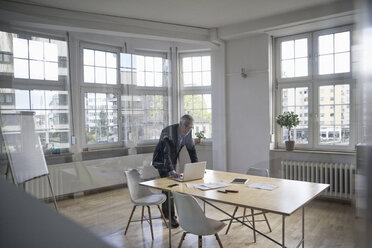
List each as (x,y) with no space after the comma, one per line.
(267,222)
(200,241)
(182,239)
(152,233)
(218,240)
(130,218)
(163,217)
(228,228)
(254,225)
(143,208)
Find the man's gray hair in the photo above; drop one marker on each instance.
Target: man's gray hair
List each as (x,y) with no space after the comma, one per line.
(186,118)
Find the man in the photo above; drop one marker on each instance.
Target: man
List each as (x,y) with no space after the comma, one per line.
(171,141)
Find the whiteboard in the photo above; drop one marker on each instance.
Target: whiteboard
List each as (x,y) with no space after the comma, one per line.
(25,153)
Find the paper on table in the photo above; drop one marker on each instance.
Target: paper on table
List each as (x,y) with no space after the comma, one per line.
(262,186)
(207,186)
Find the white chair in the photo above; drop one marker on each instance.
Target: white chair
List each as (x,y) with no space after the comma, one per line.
(192,219)
(255,172)
(141,196)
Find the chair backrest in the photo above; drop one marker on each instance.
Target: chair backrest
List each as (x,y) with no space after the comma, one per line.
(136,191)
(190,215)
(262,172)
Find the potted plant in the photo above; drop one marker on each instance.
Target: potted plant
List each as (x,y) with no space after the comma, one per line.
(200,136)
(288,120)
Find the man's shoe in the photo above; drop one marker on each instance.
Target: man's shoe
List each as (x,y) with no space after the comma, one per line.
(174,223)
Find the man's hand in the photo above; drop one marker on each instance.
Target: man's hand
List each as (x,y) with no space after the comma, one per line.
(175,175)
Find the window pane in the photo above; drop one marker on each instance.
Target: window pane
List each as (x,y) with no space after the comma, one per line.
(158,62)
(20,48)
(88,57)
(99,58)
(288,97)
(326,44)
(150,79)
(140,78)
(187,79)
(206,63)
(186,64)
(149,63)
(196,64)
(342,62)
(196,80)
(111,60)
(38,99)
(206,78)
(36,69)
(325,64)
(100,75)
(51,71)
(301,67)
(287,49)
(21,68)
(301,48)
(36,50)
(342,94)
(287,68)
(158,79)
(51,52)
(342,42)
(302,97)
(22,99)
(111,76)
(140,61)
(125,60)
(88,74)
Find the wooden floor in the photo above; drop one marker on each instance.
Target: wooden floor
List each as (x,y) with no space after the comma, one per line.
(327,224)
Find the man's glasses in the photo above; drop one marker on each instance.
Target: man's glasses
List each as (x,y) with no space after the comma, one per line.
(188,127)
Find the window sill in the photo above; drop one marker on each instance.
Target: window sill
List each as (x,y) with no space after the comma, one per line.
(353,153)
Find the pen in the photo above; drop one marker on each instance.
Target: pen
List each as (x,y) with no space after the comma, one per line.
(232,191)
(221,191)
(172,185)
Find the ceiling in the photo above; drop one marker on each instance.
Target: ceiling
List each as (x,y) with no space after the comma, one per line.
(197,13)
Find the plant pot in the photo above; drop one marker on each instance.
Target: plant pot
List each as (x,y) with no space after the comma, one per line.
(289,145)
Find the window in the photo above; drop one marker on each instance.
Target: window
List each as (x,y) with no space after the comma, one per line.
(320,96)
(40,64)
(145,96)
(100,67)
(196,95)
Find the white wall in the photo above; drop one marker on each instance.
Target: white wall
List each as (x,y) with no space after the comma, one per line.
(247,103)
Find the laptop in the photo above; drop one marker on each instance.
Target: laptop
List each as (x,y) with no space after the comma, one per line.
(192,171)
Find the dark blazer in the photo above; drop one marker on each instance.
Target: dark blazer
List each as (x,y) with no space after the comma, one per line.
(167,150)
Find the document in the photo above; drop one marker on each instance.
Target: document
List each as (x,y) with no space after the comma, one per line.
(207,186)
(262,186)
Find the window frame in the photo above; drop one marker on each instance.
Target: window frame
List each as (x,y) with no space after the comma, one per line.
(193,90)
(314,81)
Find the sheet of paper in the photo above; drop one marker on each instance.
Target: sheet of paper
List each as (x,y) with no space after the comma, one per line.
(207,186)
(262,186)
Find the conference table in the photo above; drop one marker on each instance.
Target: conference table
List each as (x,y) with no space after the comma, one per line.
(288,197)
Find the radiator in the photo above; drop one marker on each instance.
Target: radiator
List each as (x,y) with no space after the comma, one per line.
(75,177)
(340,176)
